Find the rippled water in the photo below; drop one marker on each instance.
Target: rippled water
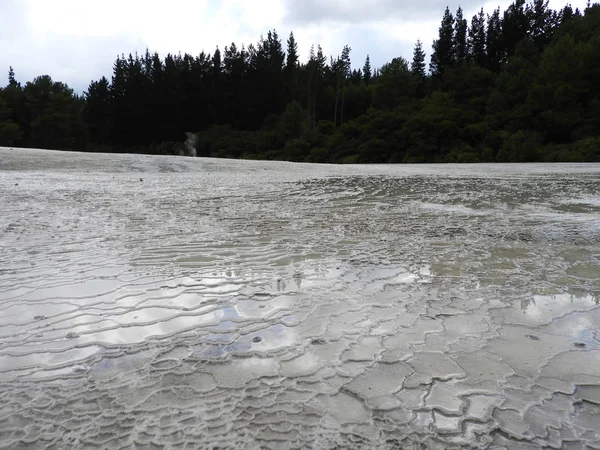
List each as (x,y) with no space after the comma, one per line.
(162,302)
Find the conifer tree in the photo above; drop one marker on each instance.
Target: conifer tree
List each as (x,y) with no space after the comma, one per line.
(367,71)
(345,69)
(291,68)
(417,66)
(216,62)
(542,22)
(460,45)
(11,77)
(443,48)
(292,53)
(476,40)
(98,111)
(515,27)
(493,41)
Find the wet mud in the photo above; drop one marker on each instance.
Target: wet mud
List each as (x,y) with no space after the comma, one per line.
(162,302)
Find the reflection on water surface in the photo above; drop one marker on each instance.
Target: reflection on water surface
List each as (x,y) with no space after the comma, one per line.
(275,305)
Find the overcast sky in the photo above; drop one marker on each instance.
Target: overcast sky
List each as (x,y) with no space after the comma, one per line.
(76,41)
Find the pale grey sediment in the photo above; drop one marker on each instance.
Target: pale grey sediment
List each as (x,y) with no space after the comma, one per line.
(247,304)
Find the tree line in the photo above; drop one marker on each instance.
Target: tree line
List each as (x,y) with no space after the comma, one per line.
(521,84)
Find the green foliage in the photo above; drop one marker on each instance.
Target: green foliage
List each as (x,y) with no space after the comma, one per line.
(98,111)
(367,71)
(296,150)
(559,90)
(515,27)
(293,123)
(55,114)
(522,146)
(44,114)
(477,39)
(10,133)
(443,48)
(494,44)
(395,85)
(460,45)
(587,149)
(417,67)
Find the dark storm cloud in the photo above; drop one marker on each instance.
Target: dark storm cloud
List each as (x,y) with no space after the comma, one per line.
(351,12)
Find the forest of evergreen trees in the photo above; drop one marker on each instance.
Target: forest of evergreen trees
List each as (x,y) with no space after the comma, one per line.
(517,85)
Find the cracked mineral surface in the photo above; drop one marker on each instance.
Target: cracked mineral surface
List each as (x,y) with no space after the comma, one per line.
(248,304)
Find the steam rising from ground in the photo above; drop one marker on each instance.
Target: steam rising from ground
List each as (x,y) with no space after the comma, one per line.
(190,143)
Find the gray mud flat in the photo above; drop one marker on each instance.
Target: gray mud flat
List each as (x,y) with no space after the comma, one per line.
(161,302)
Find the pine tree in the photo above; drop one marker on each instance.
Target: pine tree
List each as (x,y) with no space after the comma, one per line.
(216,62)
(564,16)
(476,41)
(321,60)
(367,72)
(292,53)
(443,49)
(311,69)
(233,61)
(11,77)
(417,67)
(320,65)
(98,111)
(493,41)
(119,102)
(515,28)
(346,67)
(336,68)
(460,37)
(275,83)
(542,22)
(275,51)
(291,69)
